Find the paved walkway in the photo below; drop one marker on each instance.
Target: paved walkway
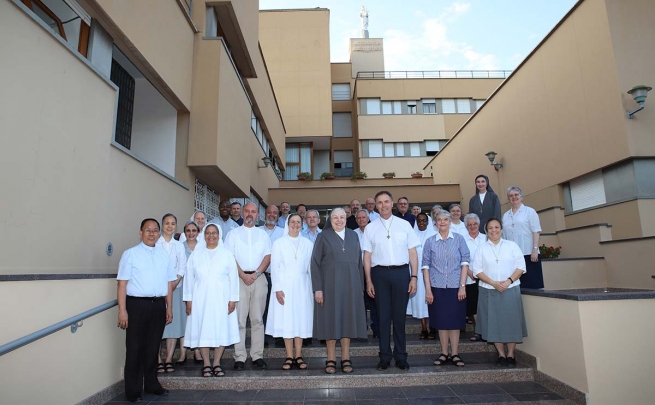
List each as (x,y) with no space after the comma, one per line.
(500,393)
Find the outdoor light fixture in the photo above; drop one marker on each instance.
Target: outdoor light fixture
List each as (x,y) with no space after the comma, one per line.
(267,161)
(491,155)
(639,93)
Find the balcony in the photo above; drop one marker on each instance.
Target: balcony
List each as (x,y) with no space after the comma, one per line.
(436,74)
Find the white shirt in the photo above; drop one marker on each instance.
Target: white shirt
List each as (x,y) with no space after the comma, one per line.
(372,216)
(147,271)
(519,227)
(273,235)
(249,246)
(226,226)
(498,262)
(481,195)
(429,225)
(360,235)
(459,228)
(176,253)
(392,251)
(473,245)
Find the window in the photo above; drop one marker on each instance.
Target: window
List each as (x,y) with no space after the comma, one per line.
(65,18)
(342,125)
(411,107)
(414,149)
(389,149)
(429,106)
(374,149)
(397,107)
(387,107)
(341,91)
(371,105)
(400,149)
(478,104)
(343,163)
(206,200)
(463,106)
(299,159)
(125,82)
(588,191)
(253,122)
(448,106)
(433,147)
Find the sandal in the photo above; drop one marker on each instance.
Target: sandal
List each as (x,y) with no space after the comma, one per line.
(161,368)
(169,367)
(423,335)
(330,366)
(433,334)
(457,361)
(443,359)
(346,366)
(300,363)
(207,372)
(218,371)
(477,338)
(469,321)
(288,363)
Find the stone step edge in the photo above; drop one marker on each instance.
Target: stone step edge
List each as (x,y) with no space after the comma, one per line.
(319,351)
(350,381)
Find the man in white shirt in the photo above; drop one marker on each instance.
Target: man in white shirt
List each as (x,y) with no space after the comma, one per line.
(274,232)
(224,220)
(285,209)
(389,254)
(145,297)
(312,219)
(370,209)
(251,247)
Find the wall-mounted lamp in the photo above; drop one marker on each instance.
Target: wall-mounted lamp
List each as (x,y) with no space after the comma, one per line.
(639,93)
(491,155)
(267,161)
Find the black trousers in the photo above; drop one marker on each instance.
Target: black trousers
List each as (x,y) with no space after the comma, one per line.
(391,299)
(145,327)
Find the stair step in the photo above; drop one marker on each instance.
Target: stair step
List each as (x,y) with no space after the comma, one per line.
(479,368)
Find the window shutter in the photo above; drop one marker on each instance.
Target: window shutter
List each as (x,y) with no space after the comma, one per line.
(588,191)
(341,91)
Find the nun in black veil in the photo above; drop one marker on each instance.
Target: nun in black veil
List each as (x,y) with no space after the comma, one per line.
(338,283)
(485,203)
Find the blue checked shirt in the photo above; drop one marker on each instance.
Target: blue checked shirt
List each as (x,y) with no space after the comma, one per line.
(444,259)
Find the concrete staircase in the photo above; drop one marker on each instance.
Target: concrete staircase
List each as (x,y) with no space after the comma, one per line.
(479,357)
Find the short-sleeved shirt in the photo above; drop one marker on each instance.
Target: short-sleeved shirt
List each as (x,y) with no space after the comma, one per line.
(519,227)
(309,235)
(444,258)
(498,262)
(392,251)
(147,271)
(226,226)
(249,246)
(473,245)
(372,215)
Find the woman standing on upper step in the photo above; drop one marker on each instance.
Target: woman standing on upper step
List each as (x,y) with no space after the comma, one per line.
(485,203)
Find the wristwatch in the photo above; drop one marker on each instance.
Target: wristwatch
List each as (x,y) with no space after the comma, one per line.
(535,247)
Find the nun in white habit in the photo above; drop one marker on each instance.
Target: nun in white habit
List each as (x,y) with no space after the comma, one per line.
(417,307)
(291,306)
(211,289)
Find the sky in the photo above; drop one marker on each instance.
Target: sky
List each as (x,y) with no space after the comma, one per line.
(441,34)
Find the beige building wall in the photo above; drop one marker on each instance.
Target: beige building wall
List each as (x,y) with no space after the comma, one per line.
(416,89)
(574,64)
(166,59)
(402,128)
(629,263)
(84,362)
(296,47)
(366,55)
(402,166)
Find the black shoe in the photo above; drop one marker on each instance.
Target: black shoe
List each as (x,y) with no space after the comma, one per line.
(402,364)
(501,362)
(306,342)
(135,399)
(260,363)
(511,362)
(161,392)
(383,365)
(238,365)
(279,342)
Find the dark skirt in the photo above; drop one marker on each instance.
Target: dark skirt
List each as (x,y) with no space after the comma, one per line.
(500,316)
(534,276)
(446,311)
(471,299)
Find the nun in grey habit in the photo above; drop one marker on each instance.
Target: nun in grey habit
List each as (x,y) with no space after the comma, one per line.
(338,284)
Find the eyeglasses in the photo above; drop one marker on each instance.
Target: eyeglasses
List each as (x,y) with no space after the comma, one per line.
(211,233)
(514,195)
(151,230)
(421,220)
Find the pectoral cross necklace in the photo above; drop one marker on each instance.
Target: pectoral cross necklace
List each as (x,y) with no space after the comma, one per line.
(500,246)
(385,227)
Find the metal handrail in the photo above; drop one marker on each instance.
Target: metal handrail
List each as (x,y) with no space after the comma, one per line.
(72,322)
(436,74)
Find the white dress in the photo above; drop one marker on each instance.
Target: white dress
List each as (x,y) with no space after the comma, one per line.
(416,306)
(211,281)
(290,273)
